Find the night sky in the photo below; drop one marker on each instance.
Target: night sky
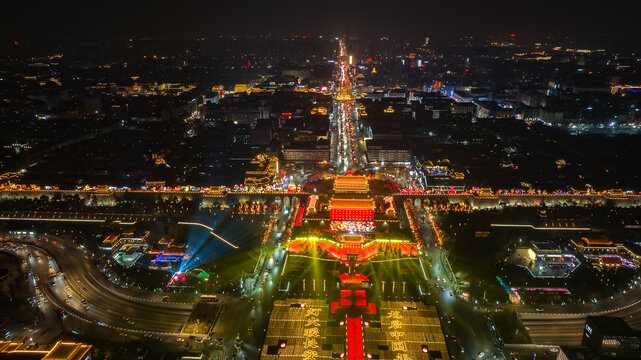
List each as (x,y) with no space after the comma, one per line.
(614,20)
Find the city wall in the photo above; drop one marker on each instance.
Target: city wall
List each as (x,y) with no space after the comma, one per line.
(499,201)
(205,200)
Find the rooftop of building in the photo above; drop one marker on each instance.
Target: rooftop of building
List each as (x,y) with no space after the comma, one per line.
(633,247)
(352,204)
(60,351)
(546,246)
(321,144)
(352,238)
(295,328)
(350,180)
(351,183)
(388,144)
(591,241)
(611,260)
(67,351)
(23,355)
(165,241)
(609,325)
(406,329)
(6,346)
(577,352)
(110,239)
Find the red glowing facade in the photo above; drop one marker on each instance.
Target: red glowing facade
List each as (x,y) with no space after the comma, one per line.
(353,304)
(351,214)
(351,209)
(354,339)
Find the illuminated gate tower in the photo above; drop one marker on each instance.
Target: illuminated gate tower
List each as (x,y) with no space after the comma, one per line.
(344,209)
(352,218)
(352,224)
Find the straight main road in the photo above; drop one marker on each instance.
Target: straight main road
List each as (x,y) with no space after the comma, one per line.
(464,323)
(347,144)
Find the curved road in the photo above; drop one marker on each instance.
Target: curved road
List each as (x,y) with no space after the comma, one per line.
(563,324)
(82,291)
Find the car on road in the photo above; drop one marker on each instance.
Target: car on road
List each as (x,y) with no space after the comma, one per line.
(457,347)
(84,301)
(86,307)
(180,339)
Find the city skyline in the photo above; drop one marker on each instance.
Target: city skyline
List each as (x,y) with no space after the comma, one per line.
(442,181)
(588,21)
